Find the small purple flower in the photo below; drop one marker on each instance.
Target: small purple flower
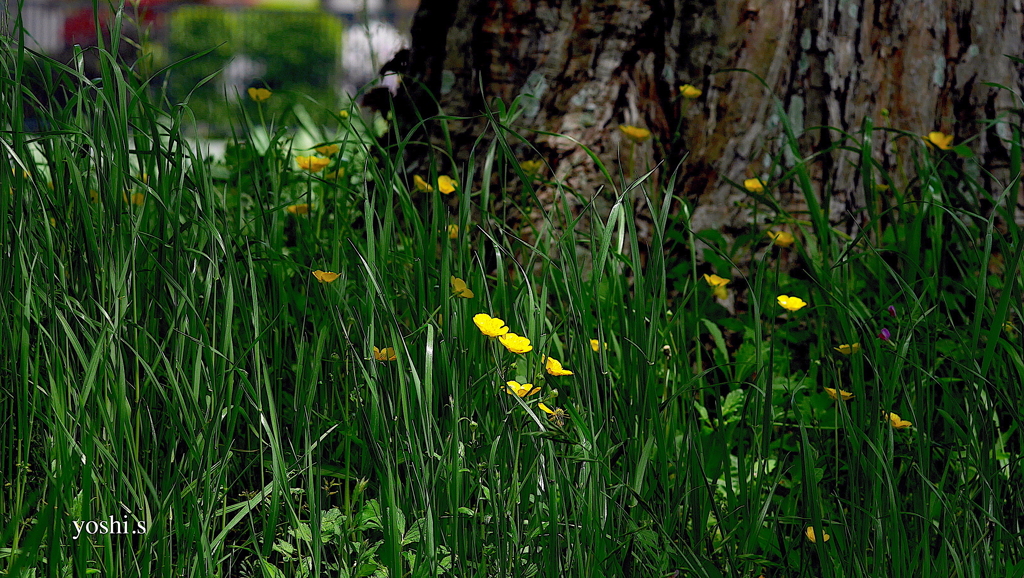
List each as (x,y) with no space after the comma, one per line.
(884,335)
(892,311)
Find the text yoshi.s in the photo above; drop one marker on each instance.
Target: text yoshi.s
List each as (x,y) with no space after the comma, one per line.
(111,526)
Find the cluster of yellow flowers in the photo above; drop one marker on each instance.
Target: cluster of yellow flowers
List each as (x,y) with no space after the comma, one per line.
(894,419)
(791,303)
(459,289)
(718,284)
(495,327)
(640,134)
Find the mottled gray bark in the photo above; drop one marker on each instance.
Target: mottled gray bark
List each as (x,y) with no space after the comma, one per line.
(593,65)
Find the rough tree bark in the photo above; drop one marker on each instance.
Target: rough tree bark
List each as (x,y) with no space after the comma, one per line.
(916,65)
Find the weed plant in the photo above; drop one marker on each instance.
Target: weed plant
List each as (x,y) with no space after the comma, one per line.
(246,368)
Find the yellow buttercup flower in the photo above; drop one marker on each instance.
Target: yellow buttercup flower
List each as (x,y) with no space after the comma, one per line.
(312,164)
(490,326)
(809,532)
(596,345)
(943,141)
(300,209)
(635,133)
(754,185)
(328,150)
(386,354)
(848,349)
(556,416)
(715,280)
(453,231)
(531,167)
(515,343)
(717,285)
(898,422)
(421,185)
(781,238)
(847,396)
(325,276)
(791,303)
(460,289)
(554,367)
(335,175)
(259,94)
(446,184)
(343,113)
(520,389)
(689,91)
(135,198)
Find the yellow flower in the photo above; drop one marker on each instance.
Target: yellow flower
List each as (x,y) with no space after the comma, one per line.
(135,199)
(453,231)
(943,141)
(515,343)
(300,209)
(554,367)
(421,185)
(715,280)
(847,396)
(754,185)
(635,133)
(520,389)
(343,113)
(791,303)
(325,276)
(490,326)
(556,416)
(460,289)
(689,91)
(596,345)
(328,150)
(531,167)
(809,532)
(717,285)
(335,175)
(312,164)
(386,354)
(446,184)
(847,349)
(781,238)
(259,94)
(898,422)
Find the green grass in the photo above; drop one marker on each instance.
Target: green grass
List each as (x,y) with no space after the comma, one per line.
(167,358)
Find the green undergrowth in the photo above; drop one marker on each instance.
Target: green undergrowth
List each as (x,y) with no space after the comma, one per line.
(244,368)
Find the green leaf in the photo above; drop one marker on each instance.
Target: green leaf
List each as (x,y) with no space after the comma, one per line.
(732,404)
(963,151)
(270,571)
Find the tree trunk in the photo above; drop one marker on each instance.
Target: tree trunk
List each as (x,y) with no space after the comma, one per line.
(592,65)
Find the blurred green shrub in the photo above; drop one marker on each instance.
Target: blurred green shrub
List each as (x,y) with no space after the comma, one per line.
(299,49)
(293,51)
